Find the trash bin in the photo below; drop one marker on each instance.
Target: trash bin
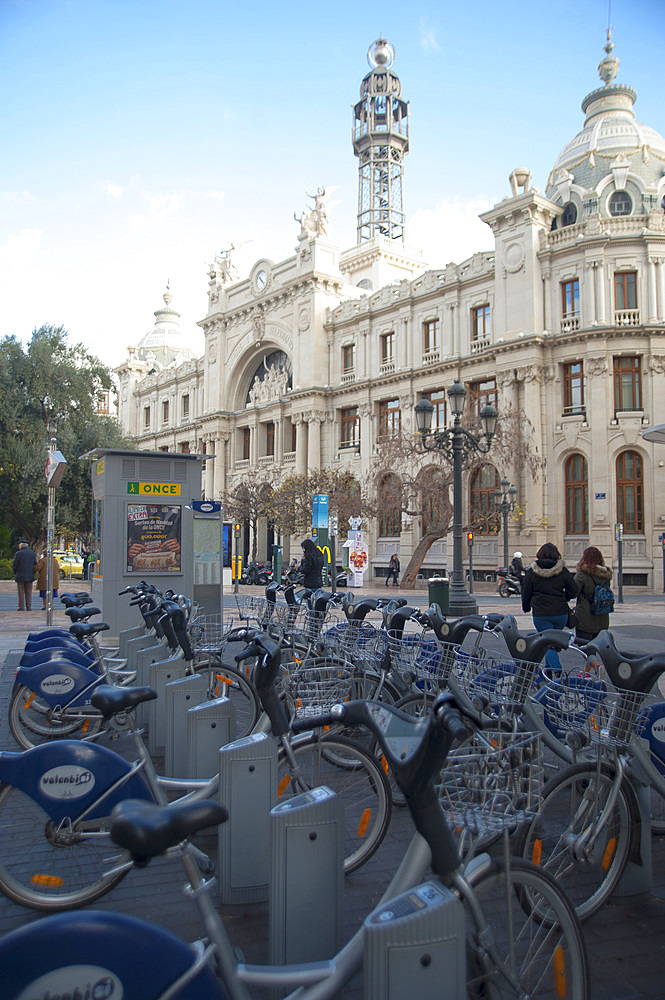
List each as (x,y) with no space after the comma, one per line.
(438,588)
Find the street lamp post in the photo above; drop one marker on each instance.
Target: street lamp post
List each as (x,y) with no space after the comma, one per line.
(505,496)
(456,442)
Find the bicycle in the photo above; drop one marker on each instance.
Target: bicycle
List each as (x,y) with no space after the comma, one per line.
(522,937)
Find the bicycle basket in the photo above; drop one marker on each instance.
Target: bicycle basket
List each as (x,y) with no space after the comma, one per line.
(253,607)
(364,645)
(610,717)
(500,681)
(207,632)
(313,686)
(494,782)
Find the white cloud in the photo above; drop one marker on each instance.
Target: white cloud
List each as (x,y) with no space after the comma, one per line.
(18,197)
(452,231)
(114,190)
(428,39)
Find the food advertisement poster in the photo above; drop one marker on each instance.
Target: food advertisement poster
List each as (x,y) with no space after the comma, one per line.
(153,538)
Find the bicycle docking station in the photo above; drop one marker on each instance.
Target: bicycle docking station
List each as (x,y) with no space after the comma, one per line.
(248,788)
(415,945)
(181,695)
(160,674)
(210,726)
(127,634)
(636,882)
(307,877)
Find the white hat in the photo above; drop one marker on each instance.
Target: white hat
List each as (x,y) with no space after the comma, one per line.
(517,555)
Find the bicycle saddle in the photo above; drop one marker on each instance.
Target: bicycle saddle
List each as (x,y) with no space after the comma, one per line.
(634,673)
(81,630)
(75,600)
(534,646)
(110,700)
(147,830)
(80,614)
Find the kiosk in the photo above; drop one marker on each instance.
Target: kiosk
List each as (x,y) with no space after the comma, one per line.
(143,526)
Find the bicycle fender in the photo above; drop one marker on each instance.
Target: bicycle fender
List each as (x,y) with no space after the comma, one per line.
(67,777)
(60,682)
(32,658)
(97,954)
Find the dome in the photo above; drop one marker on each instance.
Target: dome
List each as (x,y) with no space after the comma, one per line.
(612,142)
(165,343)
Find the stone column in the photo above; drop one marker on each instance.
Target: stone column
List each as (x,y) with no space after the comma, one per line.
(652,307)
(209,484)
(661,290)
(547,304)
(314,421)
(589,291)
(301,443)
(599,292)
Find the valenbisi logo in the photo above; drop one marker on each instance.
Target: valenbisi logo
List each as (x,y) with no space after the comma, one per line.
(658,730)
(67,781)
(57,684)
(75,982)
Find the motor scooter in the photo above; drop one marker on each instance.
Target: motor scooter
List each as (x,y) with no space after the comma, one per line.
(509,585)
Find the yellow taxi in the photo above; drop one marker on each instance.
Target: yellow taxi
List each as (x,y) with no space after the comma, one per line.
(70,564)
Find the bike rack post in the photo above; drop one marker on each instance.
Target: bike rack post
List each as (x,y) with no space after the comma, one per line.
(636,882)
(180,696)
(415,945)
(159,675)
(248,788)
(124,637)
(143,658)
(210,725)
(307,877)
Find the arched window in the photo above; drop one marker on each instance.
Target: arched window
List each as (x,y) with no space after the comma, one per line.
(435,499)
(630,493)
(577,495)
(484,480)
(620,203)
(390,518)
(569,214)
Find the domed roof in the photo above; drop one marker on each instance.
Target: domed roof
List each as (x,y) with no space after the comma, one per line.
(611,138)
(165,343)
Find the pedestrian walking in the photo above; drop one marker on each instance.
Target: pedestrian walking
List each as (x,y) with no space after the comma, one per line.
(547,588)
(85,555)
(311,564)
(393,570)
(595,599)
(42,567)
(23,565)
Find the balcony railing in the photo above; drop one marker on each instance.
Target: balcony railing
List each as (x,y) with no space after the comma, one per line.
(348,377)
(569,324)
(432,356)
(626,317)
(289,458)
(480,345)
(386,367)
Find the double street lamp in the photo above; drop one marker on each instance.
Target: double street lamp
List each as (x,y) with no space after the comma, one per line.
(456,442)
(505,496)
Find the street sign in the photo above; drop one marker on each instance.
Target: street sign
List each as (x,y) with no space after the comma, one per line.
(618,532)
(207,506)
(55,468)
(320,510)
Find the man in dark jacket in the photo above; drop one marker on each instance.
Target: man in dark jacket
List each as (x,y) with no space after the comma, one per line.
(311,564)
(547,588)
(23,566)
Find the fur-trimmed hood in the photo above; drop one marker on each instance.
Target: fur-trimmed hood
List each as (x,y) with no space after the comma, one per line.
(600,572)
(547,568)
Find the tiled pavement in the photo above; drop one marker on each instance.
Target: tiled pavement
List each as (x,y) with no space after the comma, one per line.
(626,940)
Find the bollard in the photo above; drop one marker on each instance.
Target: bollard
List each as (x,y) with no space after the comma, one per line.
(159,675)
(179,696)
(210,726)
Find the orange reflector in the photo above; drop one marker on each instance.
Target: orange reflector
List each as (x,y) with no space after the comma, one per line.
(51,880)
(283,785)
(609,853)
(364,822)
(537,852)
(30,700)
(560,972)
(86,725)
(326,729)
(384,763)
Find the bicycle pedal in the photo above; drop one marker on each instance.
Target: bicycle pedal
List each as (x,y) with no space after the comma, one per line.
(206,866)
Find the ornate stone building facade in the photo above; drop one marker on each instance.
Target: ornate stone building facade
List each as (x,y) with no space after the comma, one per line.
(309,360)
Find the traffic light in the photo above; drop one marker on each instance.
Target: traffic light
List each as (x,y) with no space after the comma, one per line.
(236,529)
(469,537)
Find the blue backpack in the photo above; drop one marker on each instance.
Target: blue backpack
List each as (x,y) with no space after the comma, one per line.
(602,602)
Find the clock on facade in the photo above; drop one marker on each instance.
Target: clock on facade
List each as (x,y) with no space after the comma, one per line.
(261,280)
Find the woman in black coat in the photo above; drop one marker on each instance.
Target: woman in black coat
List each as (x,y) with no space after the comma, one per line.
(547,588)
(311,564)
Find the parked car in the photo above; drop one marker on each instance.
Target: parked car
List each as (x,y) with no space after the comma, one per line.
(70,565)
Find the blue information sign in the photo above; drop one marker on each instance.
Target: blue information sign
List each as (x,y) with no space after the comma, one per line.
(207,506)
(320,510)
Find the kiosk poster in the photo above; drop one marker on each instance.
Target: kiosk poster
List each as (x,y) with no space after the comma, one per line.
(153,538)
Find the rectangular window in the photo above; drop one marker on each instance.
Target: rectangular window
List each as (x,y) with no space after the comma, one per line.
(349,424)
(570,298)
(103,404)
(437,398)
(387,348)
(625,290)
(573,388)
(480,322)
(389,418)
(270,438)
(184,448)
(347,359)
(627,384)
(246,441)
(294,437)
(146,417)
(185,405)
(165,411)
(481,393)
(430,335)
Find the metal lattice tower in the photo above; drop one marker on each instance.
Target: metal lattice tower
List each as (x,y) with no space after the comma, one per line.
(380,141)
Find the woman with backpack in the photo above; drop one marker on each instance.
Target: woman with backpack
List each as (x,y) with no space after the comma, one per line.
(546,590)
(595,599)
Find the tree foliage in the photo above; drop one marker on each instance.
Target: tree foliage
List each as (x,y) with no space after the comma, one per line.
(291,509)
(50,389)
(409,481)
(250,501)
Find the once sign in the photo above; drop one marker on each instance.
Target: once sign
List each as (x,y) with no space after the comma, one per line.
(155,489)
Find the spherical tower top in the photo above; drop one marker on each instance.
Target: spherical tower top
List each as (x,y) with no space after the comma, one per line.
(381,53)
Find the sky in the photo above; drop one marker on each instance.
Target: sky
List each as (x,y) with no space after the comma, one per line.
(141,138)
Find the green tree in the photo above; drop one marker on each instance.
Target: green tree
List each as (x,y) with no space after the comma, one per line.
(291,509)
(250,501)
(50,389)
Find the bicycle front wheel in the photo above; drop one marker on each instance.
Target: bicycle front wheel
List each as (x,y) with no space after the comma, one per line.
(53,868)
(32,722)
(585,851)
(227,682)
(353,774)
(537,948)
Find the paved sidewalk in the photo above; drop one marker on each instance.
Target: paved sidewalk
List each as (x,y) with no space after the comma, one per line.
(626,941)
